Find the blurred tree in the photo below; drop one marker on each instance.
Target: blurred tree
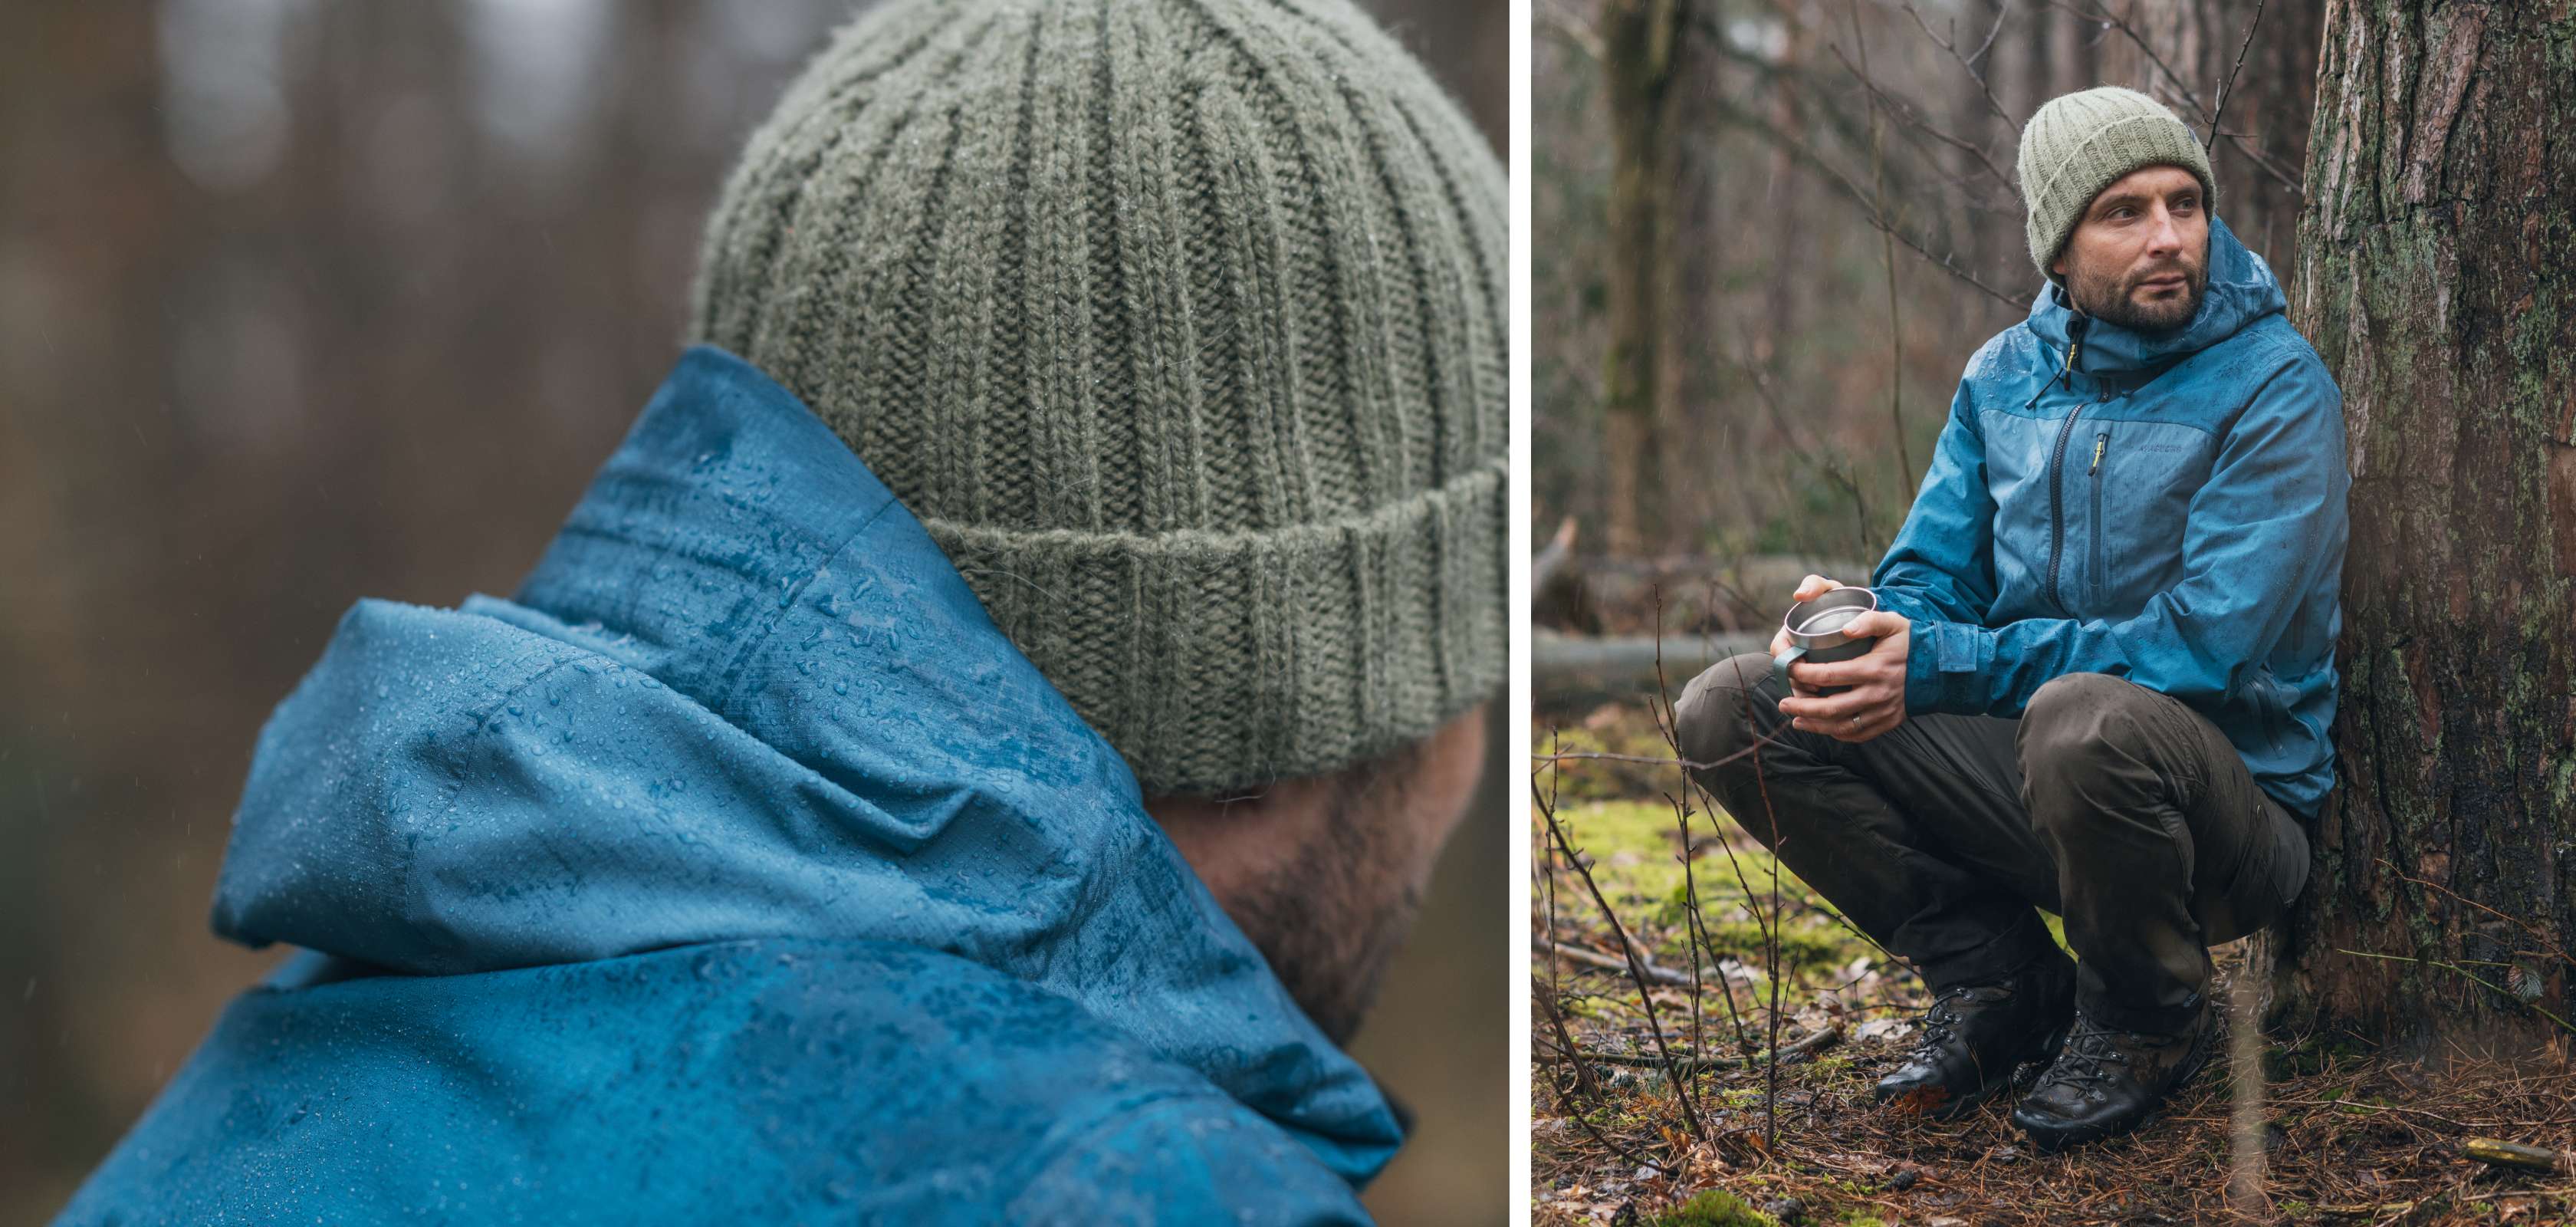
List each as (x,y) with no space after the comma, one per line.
(1643,53)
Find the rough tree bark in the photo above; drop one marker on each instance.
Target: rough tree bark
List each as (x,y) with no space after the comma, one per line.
(1639,39)
(2435,274)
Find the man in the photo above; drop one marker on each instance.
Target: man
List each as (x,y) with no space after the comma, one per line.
(2105,659)
(969,755)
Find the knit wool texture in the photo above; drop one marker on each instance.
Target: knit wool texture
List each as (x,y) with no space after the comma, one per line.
(1181,326)
(2082,142)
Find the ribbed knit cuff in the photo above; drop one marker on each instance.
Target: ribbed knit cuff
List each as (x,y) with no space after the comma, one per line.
(1220,662)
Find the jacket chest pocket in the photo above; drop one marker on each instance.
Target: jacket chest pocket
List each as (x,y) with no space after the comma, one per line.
(2137,479)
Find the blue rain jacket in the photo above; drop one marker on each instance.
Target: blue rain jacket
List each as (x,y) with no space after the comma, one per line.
(2167,508)
(737,869)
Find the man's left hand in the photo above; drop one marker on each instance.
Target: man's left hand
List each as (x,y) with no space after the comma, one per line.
(1876,701)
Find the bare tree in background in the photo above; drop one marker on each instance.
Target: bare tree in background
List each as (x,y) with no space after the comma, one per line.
(1643,53)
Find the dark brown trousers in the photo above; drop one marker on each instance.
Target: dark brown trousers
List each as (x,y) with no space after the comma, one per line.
(2112,805)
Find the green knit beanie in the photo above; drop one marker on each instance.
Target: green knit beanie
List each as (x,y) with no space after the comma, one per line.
(2083,142)
(1180,324)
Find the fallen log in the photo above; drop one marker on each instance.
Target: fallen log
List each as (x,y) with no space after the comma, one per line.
(1570,669)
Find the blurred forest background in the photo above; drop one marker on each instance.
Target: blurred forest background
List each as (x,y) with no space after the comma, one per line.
(302,302)
(1773,232)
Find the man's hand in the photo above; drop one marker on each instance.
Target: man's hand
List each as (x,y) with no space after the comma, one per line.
(1876,701)
(1808,589)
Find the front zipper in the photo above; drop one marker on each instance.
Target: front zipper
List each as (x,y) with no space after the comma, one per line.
(2101,567)
(2057,464)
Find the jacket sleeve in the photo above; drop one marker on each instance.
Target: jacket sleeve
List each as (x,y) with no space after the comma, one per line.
(1941,567)
(2258,535)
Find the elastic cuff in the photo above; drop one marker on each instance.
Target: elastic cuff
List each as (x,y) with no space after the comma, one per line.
(1922,672)
(1945,668)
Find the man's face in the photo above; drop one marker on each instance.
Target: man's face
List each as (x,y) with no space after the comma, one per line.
(2139,258)
(1325,874)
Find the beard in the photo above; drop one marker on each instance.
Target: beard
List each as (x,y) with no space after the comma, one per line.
(2112,297)
(1331,920)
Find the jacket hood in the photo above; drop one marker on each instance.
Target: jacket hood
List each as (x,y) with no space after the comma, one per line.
(744,695)
(2241,291)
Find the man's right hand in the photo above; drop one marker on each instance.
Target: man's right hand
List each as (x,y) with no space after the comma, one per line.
(1808,589)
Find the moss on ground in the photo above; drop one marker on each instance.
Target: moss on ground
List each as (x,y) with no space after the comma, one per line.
(1713,1208)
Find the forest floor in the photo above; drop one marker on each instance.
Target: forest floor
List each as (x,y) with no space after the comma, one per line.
(2346,1136)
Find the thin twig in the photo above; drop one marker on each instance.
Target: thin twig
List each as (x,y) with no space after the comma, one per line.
(1636,969)
(1967,62)
(2253,153)
(1695,929)
(2229,83)
(1668,723)
(1822,1037)
(1583,1076)
(1655,971)
(1555,756)
(1913,119)
(1869,206)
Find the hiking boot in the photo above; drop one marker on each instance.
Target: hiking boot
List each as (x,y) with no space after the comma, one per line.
(1976,1035)
(2108,1082)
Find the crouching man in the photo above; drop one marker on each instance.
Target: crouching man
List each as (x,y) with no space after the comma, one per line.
(2104,671)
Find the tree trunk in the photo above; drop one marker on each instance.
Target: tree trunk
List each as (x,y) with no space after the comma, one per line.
(1693,429)
(2434,275)
(1637,42)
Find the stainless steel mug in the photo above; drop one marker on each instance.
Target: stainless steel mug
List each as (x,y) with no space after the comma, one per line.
(1817,632)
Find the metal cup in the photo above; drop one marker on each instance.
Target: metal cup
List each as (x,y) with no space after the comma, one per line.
(1817,632)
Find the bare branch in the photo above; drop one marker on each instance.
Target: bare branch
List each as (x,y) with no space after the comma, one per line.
(2229,83)
(1636,968)
(1968,62)
(2253,153)
(1869,205)
(1914,119)
(2111,21)
(1822,1037)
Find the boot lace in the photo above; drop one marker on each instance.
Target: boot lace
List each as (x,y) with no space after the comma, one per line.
(1941,1019)
(2089,1048)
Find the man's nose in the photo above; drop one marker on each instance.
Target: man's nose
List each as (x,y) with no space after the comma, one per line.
(2165,239)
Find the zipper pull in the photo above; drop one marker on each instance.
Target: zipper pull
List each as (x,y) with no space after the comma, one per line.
(2075,338)
(2100,442)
